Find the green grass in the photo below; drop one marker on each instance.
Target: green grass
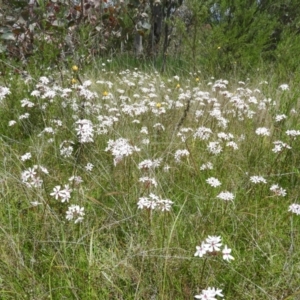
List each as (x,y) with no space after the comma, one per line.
(119,251)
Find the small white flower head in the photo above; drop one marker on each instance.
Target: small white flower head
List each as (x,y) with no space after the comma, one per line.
(214,148)
(149,164)
(293,132)
(26,156)
(3,92)
(24,116)
(31,178)
(279,118)
(233,145)
(284,87)
(213,243)
(65,150)
(159,126)
(210,294)
(279,146)
(35,93)
(56,192)
(148,181)
(203,133)
(76,213)
(145,141)
(44,80)
(226,196)
(181,153)
(294,208)
(144,130)
(12,123)
(258,179)
(262,131)
(201,250)
(89,167)
(225,136)
(35,203)
(120,148)
(26,103)
(226,254)
(277,190)
(63,195)
(85,131)
(155,202)
(76,180)
(166,168)
(207,166)
(214,182)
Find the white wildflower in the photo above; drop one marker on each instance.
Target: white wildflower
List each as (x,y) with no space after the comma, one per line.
(214,148)
(75,212)
(214,182)
(295,208)
(258,179)
(262,131)
(26,156)
(277,190)
(226,196)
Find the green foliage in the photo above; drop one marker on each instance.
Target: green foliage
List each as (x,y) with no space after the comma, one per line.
(224,35)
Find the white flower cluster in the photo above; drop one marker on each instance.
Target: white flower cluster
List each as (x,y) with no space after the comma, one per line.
(154,202)
(279,146)
(258,179)
(180,153)
(214,148)
(26,102)
(214,182)
(284,87)
(210,294)
(295,208)
(277,190)
(85,131)
(148,181)
(120,148)
(213,244)
(281,117)
(66,148)
(3,92)
(31,177)
(226,196)
(262,131)
(207,166)
(26,156)
(63,195)
(149,164)
(203,133)
(75,212)
(292,132)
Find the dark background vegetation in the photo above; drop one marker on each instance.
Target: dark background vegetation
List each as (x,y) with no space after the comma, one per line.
(218,36)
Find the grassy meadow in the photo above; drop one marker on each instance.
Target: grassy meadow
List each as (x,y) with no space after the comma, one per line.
(130,184)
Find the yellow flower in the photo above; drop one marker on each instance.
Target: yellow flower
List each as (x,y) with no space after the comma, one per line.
(219,47)
(178,86)
(75,68)
(158,104)
(105,93)
(73,81)
(197,79)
